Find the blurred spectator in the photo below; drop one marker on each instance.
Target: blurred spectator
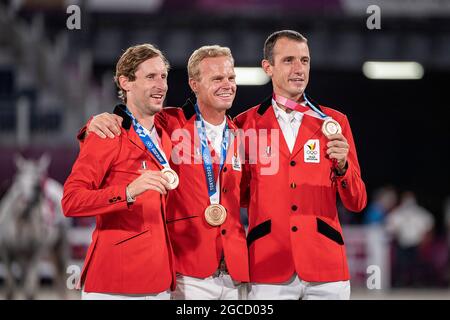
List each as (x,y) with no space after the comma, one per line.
(410,225)
(447,216)
(384,200)
(434,256)
(447,224)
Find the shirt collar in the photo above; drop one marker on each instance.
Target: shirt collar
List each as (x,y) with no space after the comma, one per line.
(151,131)
(280,113)
(219,127)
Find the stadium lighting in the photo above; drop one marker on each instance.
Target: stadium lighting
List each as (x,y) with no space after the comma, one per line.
(246,76)
(393,70)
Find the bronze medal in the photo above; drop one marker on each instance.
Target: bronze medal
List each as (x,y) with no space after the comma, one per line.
(215,214)
(172,176)
(331,126)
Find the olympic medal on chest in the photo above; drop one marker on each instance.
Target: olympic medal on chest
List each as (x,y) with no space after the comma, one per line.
(215,214)
(331,126)
(172,176)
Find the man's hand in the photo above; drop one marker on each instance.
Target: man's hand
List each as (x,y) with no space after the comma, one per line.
(105,124)
(148,180)
(338,149)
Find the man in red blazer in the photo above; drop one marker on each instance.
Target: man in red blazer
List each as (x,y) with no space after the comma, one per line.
(291,183)
(210,249)
(130,256)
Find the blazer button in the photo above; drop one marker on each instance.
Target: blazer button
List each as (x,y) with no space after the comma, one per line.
(294,208)
(224,190)
(293,185)
(344,184)
(224,169)
(111,200)
(294,229)
(119,198)
(224,231)
(293,163)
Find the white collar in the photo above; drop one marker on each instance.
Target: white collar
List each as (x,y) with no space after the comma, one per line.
(212,127)
(297,115)
(151,131)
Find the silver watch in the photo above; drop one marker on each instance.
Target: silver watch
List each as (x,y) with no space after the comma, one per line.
(130,199)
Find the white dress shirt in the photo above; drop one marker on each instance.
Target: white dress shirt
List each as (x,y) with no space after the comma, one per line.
(214,133)
(289,124)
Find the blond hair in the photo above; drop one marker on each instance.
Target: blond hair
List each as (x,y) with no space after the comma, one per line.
(205,52)
(130,61)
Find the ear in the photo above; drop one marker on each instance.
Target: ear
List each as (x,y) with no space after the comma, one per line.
(193,84)
(44,162)
(124,83)
(267,67)
(19,160)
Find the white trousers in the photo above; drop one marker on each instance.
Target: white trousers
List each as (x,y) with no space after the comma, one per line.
(216,287)
(118,296)
(297,289)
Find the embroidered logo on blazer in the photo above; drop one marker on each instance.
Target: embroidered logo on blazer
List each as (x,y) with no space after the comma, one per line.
(311,151)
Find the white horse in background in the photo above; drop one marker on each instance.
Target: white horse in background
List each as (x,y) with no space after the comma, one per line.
(32,227)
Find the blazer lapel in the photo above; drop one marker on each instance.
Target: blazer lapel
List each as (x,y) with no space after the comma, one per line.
(232,141)
(166,142)
(193,139)
(269,122)
(133,137)
(308,128)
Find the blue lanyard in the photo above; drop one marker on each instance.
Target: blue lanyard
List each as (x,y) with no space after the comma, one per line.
(147,140)
(206,154)
(320,113)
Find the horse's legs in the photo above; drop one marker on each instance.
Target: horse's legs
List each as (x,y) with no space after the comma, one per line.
(10,280)
(59,256)
(30,276)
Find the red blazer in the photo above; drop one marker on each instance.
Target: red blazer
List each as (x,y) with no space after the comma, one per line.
(130,251)
(293,219)
(198,246)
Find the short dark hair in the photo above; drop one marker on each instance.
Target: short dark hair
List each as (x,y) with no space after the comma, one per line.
(271,40)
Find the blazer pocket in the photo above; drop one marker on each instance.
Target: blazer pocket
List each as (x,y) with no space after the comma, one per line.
(178,219)
(329,232)
(259,231)
(131,236)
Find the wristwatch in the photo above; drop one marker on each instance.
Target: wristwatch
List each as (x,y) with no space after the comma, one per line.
(130,199)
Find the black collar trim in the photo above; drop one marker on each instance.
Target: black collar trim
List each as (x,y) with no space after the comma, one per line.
(120,111)
(315,104)
(265,105)
(188,108)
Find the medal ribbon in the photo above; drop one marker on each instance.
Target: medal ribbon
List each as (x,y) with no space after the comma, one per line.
(206,154)
(334,164)
(147,140)
(305,110)
(291,104)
